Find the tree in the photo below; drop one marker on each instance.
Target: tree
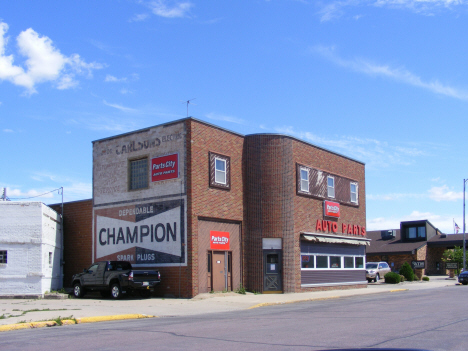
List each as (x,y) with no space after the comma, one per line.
(407,271)
(454,255)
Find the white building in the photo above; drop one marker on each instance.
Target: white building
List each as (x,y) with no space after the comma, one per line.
(30,248)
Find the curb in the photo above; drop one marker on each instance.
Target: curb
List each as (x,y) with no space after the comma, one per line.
(316,299)
(33,325)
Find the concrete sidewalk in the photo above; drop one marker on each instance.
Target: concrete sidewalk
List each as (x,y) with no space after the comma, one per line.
(30,310)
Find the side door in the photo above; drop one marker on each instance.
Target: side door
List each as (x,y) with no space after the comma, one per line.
(88,278)
(99,275)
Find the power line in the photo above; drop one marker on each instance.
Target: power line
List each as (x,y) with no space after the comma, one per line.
(32,197)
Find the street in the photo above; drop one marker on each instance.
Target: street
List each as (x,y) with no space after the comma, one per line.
(431,319)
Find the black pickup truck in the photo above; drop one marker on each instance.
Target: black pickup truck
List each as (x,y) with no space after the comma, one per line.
(114,278)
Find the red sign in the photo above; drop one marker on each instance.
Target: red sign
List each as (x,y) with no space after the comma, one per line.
(330,226)
(165,167)
(219,240)
(331,209)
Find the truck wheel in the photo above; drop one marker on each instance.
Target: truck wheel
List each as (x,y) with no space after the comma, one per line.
(78,290)
(116,291)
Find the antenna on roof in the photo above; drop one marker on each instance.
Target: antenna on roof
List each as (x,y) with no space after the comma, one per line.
(188,102)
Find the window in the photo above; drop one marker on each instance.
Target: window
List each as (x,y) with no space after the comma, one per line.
(348,262)
(138,174)
(3,256)
(335,261)
(416,232)
(307,261)
(353,189)
(220,171)
(359,262)
(421,232)
(50,258)
(322,261)
(316,261)
(331,186)
(304,180)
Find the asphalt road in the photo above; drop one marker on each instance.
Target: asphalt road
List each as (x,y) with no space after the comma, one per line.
(432,319)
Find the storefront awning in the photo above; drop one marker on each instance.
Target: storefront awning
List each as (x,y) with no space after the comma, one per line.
(334,239)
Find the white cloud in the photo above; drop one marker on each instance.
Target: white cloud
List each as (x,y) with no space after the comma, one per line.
(113,79)
(120,107)
(443,193)
(398,74)
(8,131)
(178,9)
(218,117)
(375,153)
(336,9)
(43,62)
(139,17)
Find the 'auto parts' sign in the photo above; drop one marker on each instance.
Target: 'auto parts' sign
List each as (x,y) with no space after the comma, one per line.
(165,167)
(150,234)
(331,209)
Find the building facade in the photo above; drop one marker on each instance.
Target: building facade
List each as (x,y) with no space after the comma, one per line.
(30,248)
(215,210)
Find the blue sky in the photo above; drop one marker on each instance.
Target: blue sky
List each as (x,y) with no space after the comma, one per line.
(382,81)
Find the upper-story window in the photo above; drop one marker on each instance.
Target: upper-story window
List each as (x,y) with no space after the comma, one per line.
(331,186)
(353,191)
(220,171)
(138,174)
(416,232)
(304,180)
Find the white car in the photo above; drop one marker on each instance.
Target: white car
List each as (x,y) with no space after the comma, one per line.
(376,270)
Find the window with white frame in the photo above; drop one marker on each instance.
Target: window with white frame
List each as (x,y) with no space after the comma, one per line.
(304,180)
(354,192)
(220,170)
(331,186)
(3,256)
(321,261)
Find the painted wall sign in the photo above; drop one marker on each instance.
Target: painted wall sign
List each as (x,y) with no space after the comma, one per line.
(165,167)
(151,234)
(331,209)
(219,240)
(331,226)
(418,264)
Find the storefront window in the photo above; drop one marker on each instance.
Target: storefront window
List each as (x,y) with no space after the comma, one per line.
(307,261)
(348,262)
(335,261)
(322,261)
(359,262)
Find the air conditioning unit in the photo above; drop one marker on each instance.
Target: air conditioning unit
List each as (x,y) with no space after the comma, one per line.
(388,234)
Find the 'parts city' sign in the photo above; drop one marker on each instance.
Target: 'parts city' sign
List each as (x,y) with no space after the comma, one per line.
(331,209)
(150,234)
(219,240)
(165,167)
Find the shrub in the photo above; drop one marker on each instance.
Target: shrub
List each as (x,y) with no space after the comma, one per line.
(407,271)
(402,278)
(392,278)
(425,279)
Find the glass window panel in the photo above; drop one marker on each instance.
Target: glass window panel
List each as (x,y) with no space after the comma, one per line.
(348,262)
(307,261)
(359,262)
(335,261)
(304,180)
(412,233)
(421,232)
(322,261)
(139,174)
(331,186)
(353,192)
(220,171)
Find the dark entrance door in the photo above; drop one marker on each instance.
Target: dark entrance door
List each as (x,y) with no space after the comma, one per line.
(272,271)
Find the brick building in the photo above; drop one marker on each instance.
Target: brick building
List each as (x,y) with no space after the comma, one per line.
(417,242)
(216,210)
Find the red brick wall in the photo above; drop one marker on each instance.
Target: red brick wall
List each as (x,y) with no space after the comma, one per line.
(308,210)
(77,237)
(203,200)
